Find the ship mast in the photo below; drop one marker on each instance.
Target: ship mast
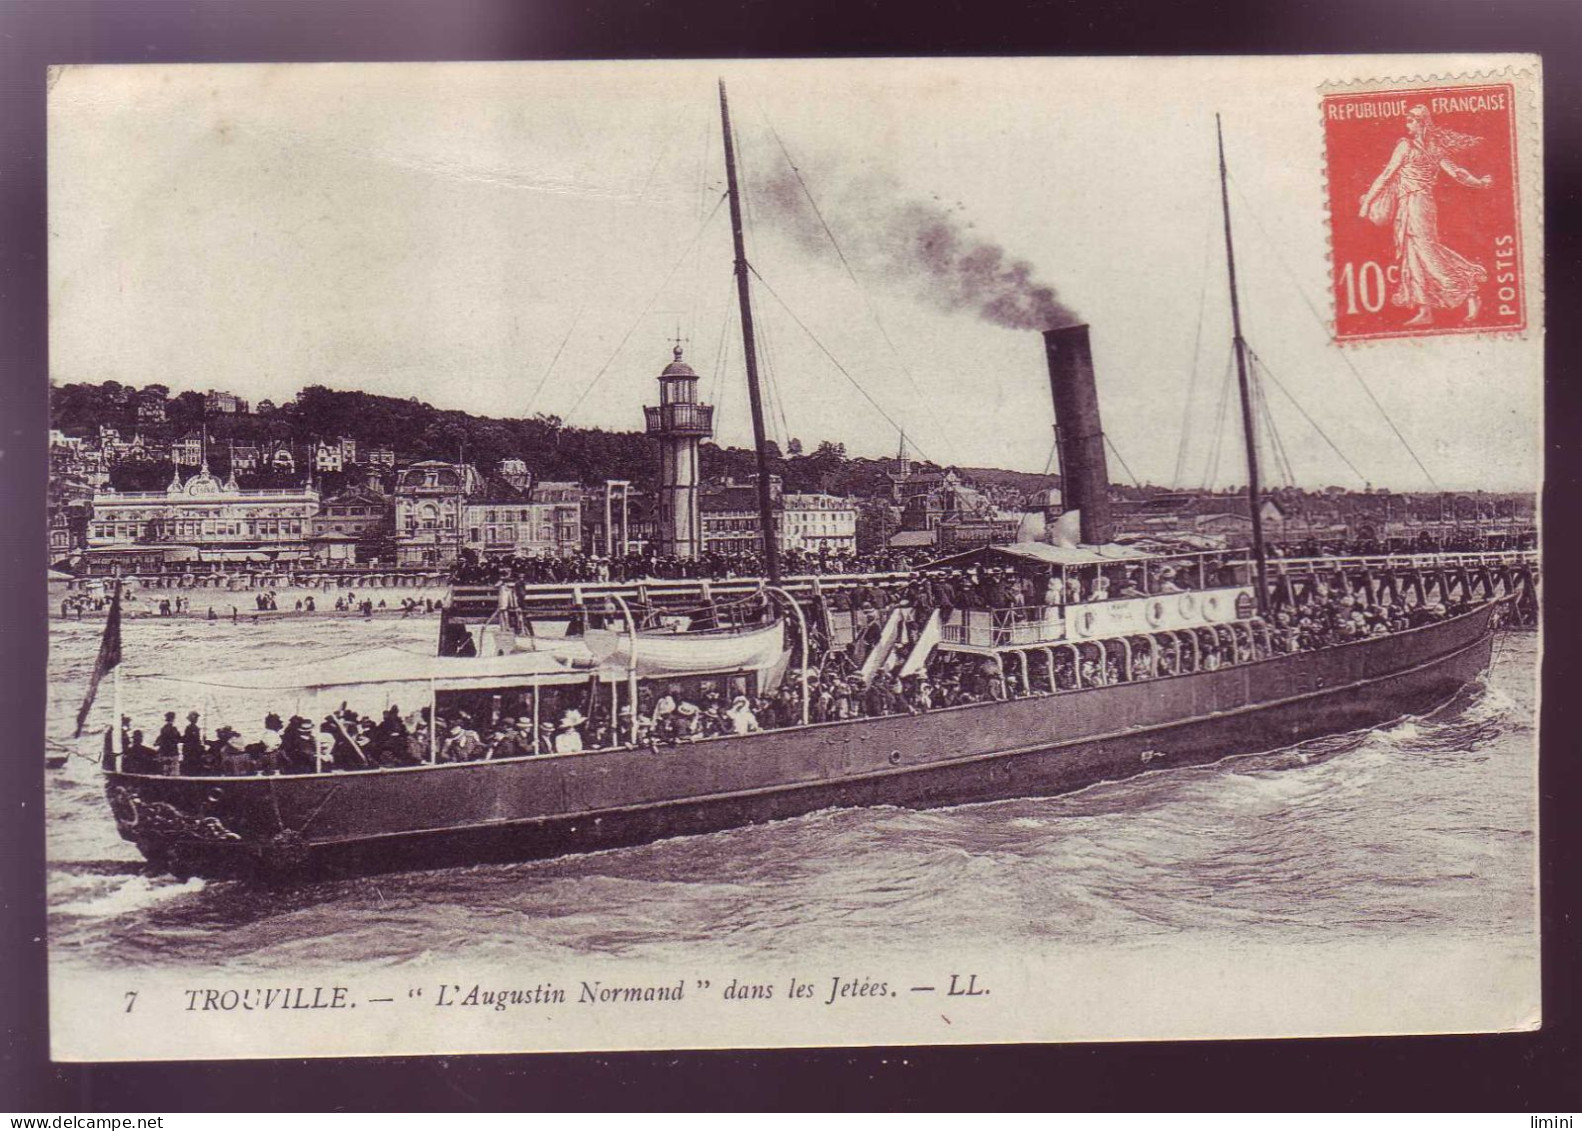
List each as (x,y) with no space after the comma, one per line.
(1239,347)
(749,350)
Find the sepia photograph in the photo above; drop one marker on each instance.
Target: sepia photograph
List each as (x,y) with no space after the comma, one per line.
(666,555)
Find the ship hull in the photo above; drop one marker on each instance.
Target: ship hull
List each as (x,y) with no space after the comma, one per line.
(438,816)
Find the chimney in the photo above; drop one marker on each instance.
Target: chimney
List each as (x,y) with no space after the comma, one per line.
(1079,434)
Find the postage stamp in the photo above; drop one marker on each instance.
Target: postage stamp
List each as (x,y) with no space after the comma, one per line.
(1424,211)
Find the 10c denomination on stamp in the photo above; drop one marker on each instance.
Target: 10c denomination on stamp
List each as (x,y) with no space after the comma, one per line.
(1424,211)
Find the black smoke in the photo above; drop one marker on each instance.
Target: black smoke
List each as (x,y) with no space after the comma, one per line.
(927,247)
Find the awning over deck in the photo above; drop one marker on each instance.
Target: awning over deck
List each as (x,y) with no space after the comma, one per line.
(395,668)
(1039,553)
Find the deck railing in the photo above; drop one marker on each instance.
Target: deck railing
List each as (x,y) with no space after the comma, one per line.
(999,628)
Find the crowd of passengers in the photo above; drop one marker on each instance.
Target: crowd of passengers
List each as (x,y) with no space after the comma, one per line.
(714,565)
(1016,595)
(669,717)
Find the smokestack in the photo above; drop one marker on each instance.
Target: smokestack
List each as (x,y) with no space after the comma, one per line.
(1079,433)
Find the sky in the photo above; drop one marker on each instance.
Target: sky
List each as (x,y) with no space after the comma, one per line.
(530,237)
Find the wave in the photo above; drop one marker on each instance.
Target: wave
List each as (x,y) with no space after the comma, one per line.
(135,893)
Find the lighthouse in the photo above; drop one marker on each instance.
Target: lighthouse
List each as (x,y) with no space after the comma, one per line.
(679,422)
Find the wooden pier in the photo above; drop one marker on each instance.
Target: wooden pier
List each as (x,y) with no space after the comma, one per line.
(1428,578)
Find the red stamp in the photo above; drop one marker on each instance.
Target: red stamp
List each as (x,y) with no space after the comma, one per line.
(1424,221)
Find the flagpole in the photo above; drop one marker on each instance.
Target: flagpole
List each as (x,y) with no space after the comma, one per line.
(115,700)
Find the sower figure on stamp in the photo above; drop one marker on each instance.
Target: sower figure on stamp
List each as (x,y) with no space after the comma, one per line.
(1431,276)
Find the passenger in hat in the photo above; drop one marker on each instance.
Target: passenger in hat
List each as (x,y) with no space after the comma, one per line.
(508,740)
(667,704)
(740,716)
(168,742)
(270,742)
(140,759)
(568,738)
(462,744)
(685,724)
(234,761)
(192,746)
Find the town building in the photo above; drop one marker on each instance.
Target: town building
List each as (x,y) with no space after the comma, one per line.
(500,524)
(244,457)
(282,460)
(358,511)
(380,457)
(187,451)
(556,491)
(1224,517)
(514,472)
(135,450)
(228,404)
(70,507)
(430,497)
(67,454)
(730,519)
(200,519)
(679,422)
(941,511)
(150,408)
(818,524)
(324,455)
(632,515)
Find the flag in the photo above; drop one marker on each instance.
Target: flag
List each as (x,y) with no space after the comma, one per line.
(931,635)
(109,659)
(888,636)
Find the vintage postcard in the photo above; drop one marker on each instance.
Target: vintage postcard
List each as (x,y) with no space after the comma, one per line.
(596,556)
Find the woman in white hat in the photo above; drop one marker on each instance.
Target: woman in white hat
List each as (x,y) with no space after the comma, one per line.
(741,717)
(568,739)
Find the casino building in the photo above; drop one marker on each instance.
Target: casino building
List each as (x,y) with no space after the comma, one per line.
(200,519)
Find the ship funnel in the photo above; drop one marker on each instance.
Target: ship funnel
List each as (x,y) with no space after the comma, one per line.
(1079,433)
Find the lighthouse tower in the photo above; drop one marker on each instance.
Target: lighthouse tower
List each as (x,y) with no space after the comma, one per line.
(679,422)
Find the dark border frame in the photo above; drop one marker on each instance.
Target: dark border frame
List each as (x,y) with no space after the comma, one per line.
(1536,1072)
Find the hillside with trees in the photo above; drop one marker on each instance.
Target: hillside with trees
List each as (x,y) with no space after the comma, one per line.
(416,430)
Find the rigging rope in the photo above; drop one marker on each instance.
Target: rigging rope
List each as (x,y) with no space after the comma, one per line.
(550,368)
(1197,340)
(776,400)
(1217,438)
(832,359)
(721,364)
(1262,365)
(1277,449)
(1122,460)
(702,206)
(664,147)
(646,307)
(1323,322)
(771,393)
(852,275)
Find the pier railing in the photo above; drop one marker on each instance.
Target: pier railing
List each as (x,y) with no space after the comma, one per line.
(695,591)
(1485,559)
